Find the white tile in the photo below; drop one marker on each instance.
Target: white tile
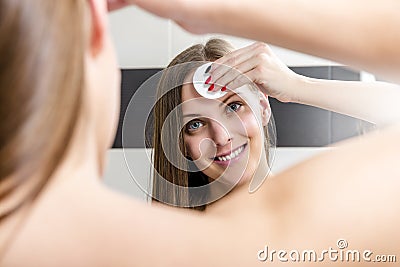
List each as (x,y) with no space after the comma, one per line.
(367,77)
(141,39)
(123,174)
(286,157)
(181,39)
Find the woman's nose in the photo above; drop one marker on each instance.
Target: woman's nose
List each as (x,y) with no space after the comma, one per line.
(220,134)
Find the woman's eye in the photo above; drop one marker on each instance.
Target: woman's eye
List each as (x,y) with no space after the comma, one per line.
(193,125)
(233,107)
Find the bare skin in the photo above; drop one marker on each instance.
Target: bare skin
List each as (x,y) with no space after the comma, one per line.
(357,33)
(298,209)
(78,222)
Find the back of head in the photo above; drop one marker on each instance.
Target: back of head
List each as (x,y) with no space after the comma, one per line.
(42,46)
(167,114)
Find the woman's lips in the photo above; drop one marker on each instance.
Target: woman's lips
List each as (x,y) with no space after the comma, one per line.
(233,156)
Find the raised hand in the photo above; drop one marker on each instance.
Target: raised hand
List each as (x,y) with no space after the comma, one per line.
(255,64)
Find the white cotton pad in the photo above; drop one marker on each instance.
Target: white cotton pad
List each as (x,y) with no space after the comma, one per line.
(199,79)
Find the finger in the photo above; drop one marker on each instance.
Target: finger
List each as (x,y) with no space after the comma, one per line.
(251,78)
(220,66)
(223,65)
(228,75)
(232,74)
(239,53)
(238,56)
(240,81)
(243,69)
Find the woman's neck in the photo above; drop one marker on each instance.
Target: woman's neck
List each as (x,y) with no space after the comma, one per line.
(83,158)
(246,196)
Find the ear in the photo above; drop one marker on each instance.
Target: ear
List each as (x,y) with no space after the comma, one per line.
(98,13)
(265,109)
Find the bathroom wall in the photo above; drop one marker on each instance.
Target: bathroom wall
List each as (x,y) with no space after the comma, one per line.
(145,44)
(145,41)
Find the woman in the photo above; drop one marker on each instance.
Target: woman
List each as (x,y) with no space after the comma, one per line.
(174,122)
(59,100)
(326,198)
(59,85)
(226,147)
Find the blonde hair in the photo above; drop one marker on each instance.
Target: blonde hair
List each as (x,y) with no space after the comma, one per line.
(42,46)
(168,105)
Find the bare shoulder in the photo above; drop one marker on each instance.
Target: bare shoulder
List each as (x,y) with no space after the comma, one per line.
(90,225)
(348,193)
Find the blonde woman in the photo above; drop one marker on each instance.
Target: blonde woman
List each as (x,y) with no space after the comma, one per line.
(235,125)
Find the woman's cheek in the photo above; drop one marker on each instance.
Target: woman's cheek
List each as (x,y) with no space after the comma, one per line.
(249,124)
(192,147)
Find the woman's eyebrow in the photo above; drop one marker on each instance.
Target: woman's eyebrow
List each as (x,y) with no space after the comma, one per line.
(226,99)
(222,103)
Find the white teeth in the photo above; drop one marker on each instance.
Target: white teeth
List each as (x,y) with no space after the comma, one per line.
(233,154)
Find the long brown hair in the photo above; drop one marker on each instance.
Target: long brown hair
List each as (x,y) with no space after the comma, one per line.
(169,95)
(42,46)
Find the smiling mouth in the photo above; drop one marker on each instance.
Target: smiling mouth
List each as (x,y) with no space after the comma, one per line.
(232,155)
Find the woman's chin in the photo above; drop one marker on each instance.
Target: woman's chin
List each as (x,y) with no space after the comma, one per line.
(233,180)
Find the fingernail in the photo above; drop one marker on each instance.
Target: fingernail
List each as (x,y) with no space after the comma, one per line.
(208,69)
(208,80)
(211,87)
(223,89)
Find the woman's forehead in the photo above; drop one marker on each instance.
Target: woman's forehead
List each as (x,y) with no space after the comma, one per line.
(189,93)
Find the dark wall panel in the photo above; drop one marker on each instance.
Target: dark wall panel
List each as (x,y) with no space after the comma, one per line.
(301,125)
